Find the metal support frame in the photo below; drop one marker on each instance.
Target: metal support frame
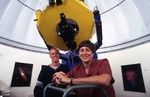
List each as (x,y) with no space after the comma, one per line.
(67,90)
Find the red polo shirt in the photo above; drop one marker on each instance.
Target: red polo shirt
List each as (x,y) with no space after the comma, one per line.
(97,67)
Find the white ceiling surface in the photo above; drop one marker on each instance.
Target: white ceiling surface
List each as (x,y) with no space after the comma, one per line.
(126,25)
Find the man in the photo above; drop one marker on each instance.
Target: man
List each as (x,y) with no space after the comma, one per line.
(46,73)
(89,71)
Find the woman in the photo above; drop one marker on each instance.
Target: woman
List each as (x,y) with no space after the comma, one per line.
(89,71)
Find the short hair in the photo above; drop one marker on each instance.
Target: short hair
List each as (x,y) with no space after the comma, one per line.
(53,48)
(87,43)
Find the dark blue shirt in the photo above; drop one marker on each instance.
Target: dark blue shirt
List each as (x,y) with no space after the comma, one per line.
(46,73)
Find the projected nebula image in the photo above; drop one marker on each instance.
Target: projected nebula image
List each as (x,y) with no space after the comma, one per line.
(22,74)
(132,78)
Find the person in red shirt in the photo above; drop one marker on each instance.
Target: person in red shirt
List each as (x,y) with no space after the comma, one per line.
(89,71)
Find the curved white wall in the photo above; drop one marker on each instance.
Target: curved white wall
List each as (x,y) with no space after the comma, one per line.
(10,55)
(139,54)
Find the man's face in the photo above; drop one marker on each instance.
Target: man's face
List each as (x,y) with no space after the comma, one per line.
(54,55)
(85,54)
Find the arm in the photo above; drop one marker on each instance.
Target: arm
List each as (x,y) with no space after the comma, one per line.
(103,77)
(69,55)
(40,79)
(103,80)
(98,24)
(63,56)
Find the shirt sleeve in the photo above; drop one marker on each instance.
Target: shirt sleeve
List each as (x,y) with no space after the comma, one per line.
(41,76)
(104,67)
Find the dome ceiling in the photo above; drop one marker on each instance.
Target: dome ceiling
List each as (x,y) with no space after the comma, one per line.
(125,23)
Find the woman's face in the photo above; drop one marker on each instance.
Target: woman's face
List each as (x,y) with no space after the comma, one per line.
(85,54)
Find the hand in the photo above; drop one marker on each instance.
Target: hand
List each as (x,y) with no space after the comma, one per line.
(57,78)
(61,78)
